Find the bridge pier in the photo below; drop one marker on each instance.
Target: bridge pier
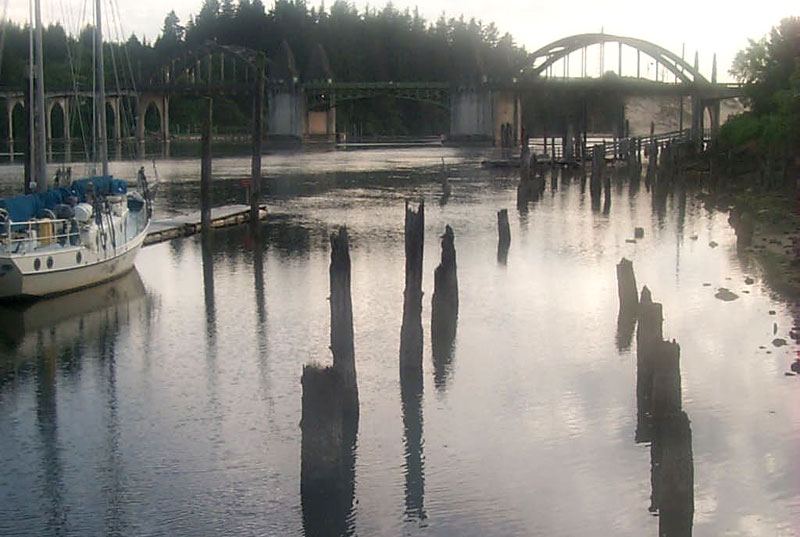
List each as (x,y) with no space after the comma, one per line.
(287,113)
(485,115)
(161,102)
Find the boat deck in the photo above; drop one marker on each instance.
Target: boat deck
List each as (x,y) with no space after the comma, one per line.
(183,225)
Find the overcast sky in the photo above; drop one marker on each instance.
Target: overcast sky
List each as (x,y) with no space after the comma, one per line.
(716,26)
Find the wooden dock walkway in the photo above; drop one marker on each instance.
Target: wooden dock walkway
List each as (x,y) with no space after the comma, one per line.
(188,224)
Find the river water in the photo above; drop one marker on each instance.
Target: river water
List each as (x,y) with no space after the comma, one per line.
(169,402)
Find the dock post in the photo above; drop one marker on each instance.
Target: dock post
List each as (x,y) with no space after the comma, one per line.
(648,337)
(258,116)
(205,168)
(411,331)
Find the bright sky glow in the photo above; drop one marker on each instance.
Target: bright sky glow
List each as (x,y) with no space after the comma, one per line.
(721,27)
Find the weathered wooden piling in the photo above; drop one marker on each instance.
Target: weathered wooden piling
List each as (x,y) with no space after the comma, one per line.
(411,331)
(504,235)
(666,379)
(626,287)
(342,318)
(411,384)
(205,168)
(444,304)
(648,337)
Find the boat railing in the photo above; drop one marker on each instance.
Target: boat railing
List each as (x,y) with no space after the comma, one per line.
(38,233)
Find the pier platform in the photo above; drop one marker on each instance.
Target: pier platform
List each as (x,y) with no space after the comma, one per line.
(184,225)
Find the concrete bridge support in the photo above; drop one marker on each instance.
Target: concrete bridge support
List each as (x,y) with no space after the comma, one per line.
(63,103)
(161,102)
(287,115)
(321,124)
(484,115)
(11,104)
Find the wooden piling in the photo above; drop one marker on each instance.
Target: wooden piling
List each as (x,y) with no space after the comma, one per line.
(666,379)
(598,163)
(411,331)
(626,287)
(205,168)
(504,235)
(258,116)
(648,337)
(444,304)
(342,319)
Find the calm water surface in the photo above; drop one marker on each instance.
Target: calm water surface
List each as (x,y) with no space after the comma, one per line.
(169,402)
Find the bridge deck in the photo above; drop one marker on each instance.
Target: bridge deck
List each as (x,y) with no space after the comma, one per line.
(188,224)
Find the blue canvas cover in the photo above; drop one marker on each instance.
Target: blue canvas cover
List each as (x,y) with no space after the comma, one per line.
(30,206)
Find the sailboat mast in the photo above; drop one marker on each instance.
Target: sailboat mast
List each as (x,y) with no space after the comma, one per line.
(40,168)
(100,96)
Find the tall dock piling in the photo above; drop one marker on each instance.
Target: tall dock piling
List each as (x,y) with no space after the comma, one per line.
(504,236)
(342,319)
(205,168)
(411,331)
(672,475)
(444,304)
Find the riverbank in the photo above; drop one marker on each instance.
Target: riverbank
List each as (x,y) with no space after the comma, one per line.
(775,244)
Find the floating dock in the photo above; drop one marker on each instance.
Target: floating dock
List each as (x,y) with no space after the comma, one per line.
(184,225)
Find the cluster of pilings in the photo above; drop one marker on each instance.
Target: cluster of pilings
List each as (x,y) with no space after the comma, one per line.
(531,182)
(330,412)
(660,417)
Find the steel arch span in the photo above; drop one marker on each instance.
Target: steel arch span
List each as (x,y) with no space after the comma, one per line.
(564,47)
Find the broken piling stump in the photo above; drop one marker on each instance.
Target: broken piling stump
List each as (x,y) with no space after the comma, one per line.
(626,287)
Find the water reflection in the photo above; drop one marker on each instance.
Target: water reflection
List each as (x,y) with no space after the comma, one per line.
(672,475)
(328,455)
(47,427)
(414,466)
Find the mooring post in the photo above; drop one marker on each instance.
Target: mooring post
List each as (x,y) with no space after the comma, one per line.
(205,168)
(444,304)
(411,331)
(342,319)
(258,116)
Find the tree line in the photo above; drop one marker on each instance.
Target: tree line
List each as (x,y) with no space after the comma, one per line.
(342,43)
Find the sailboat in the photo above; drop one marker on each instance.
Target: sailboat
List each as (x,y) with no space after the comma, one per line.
(74,235)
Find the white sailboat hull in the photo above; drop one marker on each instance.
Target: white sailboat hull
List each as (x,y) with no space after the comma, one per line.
(64,269)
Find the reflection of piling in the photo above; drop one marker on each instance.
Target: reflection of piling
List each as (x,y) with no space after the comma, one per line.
(444,310)
(504,236)
(342,318)
(327,453)
(411,396)
(743,225)
(672,475)
(411,331)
